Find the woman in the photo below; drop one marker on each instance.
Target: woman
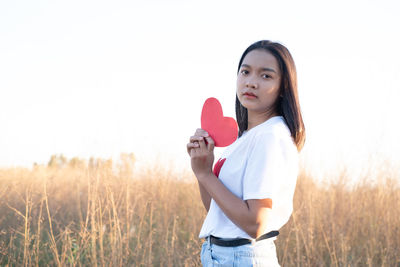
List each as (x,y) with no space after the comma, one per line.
(249,195)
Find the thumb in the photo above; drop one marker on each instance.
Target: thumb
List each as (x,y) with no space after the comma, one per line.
(210,143)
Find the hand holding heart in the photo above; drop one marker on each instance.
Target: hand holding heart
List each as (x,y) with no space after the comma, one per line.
(217,130)
(201,151)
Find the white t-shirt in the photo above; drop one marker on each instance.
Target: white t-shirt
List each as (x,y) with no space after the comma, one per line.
(262,163)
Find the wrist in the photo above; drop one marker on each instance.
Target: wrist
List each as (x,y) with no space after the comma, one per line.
(204,176)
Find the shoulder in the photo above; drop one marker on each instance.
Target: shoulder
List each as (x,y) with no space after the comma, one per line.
(275,134)
(274,128)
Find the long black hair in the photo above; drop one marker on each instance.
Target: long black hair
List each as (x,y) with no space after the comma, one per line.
(288,103)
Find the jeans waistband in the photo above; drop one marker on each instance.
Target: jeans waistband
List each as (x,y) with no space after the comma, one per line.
(239,241)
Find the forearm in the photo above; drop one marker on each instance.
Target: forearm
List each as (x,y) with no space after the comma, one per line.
(234,208)
(205,196)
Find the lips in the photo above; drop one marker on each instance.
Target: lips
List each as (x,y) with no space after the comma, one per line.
(249,94)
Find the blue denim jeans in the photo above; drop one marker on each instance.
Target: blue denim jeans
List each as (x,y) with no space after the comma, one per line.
(261,253)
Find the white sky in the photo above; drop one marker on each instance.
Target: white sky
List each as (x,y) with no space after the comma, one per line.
(97,78)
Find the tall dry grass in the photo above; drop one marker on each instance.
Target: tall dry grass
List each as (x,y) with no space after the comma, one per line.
(100,215)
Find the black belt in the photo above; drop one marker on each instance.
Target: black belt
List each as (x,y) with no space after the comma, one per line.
(240,241)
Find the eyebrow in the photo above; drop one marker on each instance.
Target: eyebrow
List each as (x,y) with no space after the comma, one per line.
(263,69)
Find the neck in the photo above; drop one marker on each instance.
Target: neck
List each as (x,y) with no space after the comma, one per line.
(254,119)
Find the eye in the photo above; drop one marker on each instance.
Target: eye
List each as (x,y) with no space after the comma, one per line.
(266,76)
(244,72)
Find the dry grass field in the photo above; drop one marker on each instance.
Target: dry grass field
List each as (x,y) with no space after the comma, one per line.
(73,213)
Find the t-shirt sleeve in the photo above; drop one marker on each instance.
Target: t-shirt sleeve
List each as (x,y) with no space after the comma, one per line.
(265,167)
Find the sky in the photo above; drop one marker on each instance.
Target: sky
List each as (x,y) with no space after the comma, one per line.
(100,78)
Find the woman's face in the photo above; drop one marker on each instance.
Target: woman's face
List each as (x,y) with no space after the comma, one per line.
(258,82)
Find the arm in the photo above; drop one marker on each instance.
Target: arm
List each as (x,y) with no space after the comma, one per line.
(193,143)
(250,215)
(205,196)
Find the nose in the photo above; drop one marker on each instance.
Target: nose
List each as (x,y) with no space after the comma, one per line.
(251,84)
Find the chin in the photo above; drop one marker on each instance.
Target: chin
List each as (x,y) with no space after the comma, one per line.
(247,105)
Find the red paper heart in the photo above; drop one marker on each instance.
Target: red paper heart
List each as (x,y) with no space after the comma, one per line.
(218,166)
(223,130)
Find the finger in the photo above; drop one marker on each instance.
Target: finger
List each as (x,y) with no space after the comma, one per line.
(195,138)
(195,150)
(202,144)
(201,132)
(192,145)
(210,143)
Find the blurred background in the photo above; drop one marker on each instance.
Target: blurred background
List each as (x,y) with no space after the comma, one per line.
(101,78)
(98,100)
